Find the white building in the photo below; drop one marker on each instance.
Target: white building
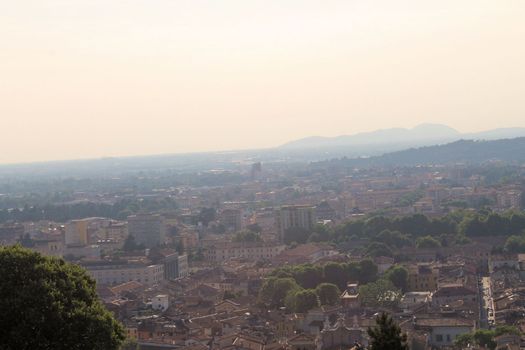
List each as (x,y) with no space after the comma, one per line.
(111,273)
(251,251)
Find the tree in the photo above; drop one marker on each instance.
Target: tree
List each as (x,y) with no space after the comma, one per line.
(393,239)
(367,271)
(386,335)
(328,293)
(484,338)
(427,242)
(47,303)
(307,275)
(375,249)
(381,293)
(247,236)
(463,340)
(514,244)
(335,273)
(274,291)
(398,275)
(302,300)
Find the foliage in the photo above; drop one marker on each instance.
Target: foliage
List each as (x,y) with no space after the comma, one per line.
(381,293)
(484,337)
(130,244)
(386,335)
(393,239)
(301,300)
(427,242)
(307,275)
(514,244)
(247,236)
(47,303)
(274,291)
(398,275)
(328,293)
(376,249)
(310,276)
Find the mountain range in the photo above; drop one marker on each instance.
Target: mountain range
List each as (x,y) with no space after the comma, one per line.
(387,140)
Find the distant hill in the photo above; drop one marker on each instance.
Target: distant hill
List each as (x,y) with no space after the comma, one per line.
(463,151)
(376,142)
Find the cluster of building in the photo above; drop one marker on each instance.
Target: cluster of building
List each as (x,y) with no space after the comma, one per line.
(179,278)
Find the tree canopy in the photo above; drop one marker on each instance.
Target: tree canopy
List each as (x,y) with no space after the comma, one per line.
(47,303)
(386,335)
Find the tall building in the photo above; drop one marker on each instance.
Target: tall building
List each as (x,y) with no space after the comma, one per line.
(77,233)
(302,216)
(231,219)
(147,229)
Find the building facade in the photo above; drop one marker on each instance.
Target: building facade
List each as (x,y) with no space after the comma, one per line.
(300,216)
(147,229)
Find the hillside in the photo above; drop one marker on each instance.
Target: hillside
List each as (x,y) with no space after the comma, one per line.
(463,151)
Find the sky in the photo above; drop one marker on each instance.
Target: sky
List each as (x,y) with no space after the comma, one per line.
(99,78)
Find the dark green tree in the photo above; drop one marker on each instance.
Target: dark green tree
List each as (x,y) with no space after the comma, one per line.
(386,335)
(302,300)
(367,271)
(328,293)
(398,275)
(47,303)
(335,273)
(307,275)
(274,291)
(427,242)
(247,236)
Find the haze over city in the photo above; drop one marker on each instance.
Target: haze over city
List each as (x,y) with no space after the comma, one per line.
(84,79)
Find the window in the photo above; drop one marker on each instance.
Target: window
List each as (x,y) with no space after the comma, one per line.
(448,338)
(439,337)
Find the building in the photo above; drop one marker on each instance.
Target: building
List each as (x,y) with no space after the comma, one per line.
(175,265)
(441,332)
(77,233)
(111,273)
(231,219)
(251,251)
(350,297)
(340,336)
(160,302)
(147,229)
(300,216)
(450,293)
(422,278)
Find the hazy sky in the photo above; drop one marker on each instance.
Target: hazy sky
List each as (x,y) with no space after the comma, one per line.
(92,78)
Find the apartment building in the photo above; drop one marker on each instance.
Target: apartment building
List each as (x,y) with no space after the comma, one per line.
(289,216)
(251,251)
(111,273)
(147,229)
